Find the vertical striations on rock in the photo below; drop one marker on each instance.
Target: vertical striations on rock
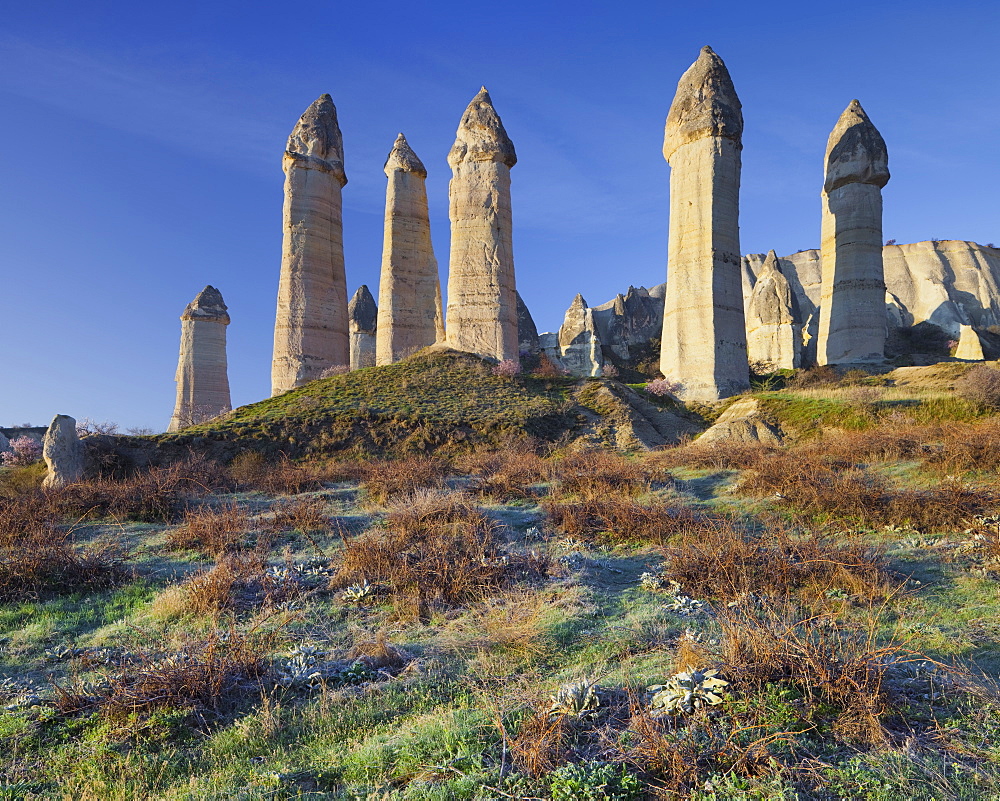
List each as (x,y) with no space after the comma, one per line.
(311,328)
(852,319)
(482,305)
(774,335)
(703,344)
(409,295)
(202,372)
(62,452)
(579,343)
(363,315)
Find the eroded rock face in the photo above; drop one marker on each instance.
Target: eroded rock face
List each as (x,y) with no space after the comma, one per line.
(744,422)
(409,288)
(852,302)
(63,453)
(311,325)
(703,345)
(774,337)
(482,305)
(630,320)
(4,443)
(363,316)
(202,370)
(970,346)
(527,332)
(579,343)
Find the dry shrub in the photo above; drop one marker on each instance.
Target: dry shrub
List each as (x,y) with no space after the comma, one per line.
(511,622)
(435,550)
(504,475)
(600,474)
(161,494)
(24,513)
(820,376)
(302,514)
(209,676)
(880,444)
(379,654)
(237,581)
(966,447)
(620,520)
(980,386)
(720,559)
(251,470)
(542,742)
(832,488)
(385,479)
(847,669)
(212,530)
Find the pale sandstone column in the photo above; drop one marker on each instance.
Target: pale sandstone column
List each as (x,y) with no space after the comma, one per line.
(579,342)
(409,293)
(704,344)
(202,372)
(852,320)
(63,453)
(363,314)
(310,329)
(482,307)
(774,337)
(970,346)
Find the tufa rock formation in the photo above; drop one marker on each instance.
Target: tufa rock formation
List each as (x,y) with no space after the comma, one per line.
(630,320)
(744,422)
(482,304)
(527,332)
(409,316)
(202,372)
(703,345)
(579,344)
(774,337)
(311,328)
(363,316)
(970,346)
(63,453)
(852,303)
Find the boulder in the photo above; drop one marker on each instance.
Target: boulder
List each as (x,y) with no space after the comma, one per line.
(63,453)
(744,422)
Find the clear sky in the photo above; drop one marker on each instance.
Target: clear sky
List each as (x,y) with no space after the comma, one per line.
(141,150)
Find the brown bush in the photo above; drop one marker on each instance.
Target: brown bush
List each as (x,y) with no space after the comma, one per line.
(208,676)
(434,550)
(237,581)
(980,386)
(542,742)
(966,447)
(620,520)
(212,530)
(386,479)
(600,474)
(504,475)
(714,455)
(723,560)
(39,558)
(161,494)
(821,376)
(836,489)
(302,514)
(251,470)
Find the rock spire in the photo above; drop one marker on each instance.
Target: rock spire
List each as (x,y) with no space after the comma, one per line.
(63,453)
(703,343)
(482,306)
(774,337)
(311,326)
(202,372)
(852,322)
(363,315)
(409,295)
(579,342)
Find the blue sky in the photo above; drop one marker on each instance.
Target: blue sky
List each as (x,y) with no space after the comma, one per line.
(141,149)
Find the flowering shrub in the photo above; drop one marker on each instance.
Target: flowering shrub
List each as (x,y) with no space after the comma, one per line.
(508,368)
(335,369)
(609,371)
(663,387)
(23,451)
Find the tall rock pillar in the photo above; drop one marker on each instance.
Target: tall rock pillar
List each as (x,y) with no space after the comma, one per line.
(852,323)
(311,328)
(482,305)
(409,294)
(363,314)
(202,371)
(704,345)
